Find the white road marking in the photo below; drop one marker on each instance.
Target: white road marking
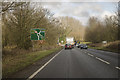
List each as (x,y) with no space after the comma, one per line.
(90,55)
(117,68)
(102,60)
(35,73)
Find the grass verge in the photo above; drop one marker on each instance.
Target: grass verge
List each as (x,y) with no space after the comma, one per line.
(106,49)
(110,46)
(11,64)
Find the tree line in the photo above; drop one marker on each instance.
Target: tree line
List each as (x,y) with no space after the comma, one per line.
(72,27)
(106,30)
(18,18)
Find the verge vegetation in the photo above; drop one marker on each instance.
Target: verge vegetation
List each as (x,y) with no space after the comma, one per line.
(111,46)
(13,63)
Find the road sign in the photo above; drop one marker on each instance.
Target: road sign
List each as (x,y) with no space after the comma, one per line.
(37,34)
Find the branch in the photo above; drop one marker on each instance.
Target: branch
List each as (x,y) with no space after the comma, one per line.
(10,6)
(7,7)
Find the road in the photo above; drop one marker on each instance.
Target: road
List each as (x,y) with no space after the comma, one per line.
(81,63)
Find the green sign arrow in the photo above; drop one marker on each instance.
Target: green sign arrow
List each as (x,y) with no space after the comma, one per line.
(37,34)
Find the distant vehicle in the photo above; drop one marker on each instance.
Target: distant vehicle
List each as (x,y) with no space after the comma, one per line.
(75,42)
(72,45)
(83,46)
(68,46)
(78,45)
(70,40)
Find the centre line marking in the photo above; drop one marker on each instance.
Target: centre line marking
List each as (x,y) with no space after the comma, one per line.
(35,73)
(102,60)
(117,68)
(90,55)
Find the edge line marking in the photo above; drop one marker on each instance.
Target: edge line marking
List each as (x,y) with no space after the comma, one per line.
(36,72)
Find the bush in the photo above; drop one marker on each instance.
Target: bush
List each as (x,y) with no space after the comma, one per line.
(114,45)
(96,45)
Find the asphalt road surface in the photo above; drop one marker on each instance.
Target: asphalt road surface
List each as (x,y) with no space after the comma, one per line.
(81,63)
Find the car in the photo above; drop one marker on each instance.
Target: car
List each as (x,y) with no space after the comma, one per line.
(72,46)
(78,45)
(68,46)
(83,46)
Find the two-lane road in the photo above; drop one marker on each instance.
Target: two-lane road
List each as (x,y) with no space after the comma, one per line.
(77,63)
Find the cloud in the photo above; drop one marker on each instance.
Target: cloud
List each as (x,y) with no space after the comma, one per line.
(76,9)
(70,0)
(80,10)
(62,0)
(106,13)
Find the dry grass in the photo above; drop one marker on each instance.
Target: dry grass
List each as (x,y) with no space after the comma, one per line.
(13,63)
(111,46)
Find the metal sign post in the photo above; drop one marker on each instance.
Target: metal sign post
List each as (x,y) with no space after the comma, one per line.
(33,45)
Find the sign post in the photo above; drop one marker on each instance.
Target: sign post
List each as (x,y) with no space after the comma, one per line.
(37,34)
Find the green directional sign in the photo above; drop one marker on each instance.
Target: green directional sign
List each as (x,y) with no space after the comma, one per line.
(37,34)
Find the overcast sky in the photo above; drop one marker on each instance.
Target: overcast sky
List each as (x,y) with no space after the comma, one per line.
(82,10)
